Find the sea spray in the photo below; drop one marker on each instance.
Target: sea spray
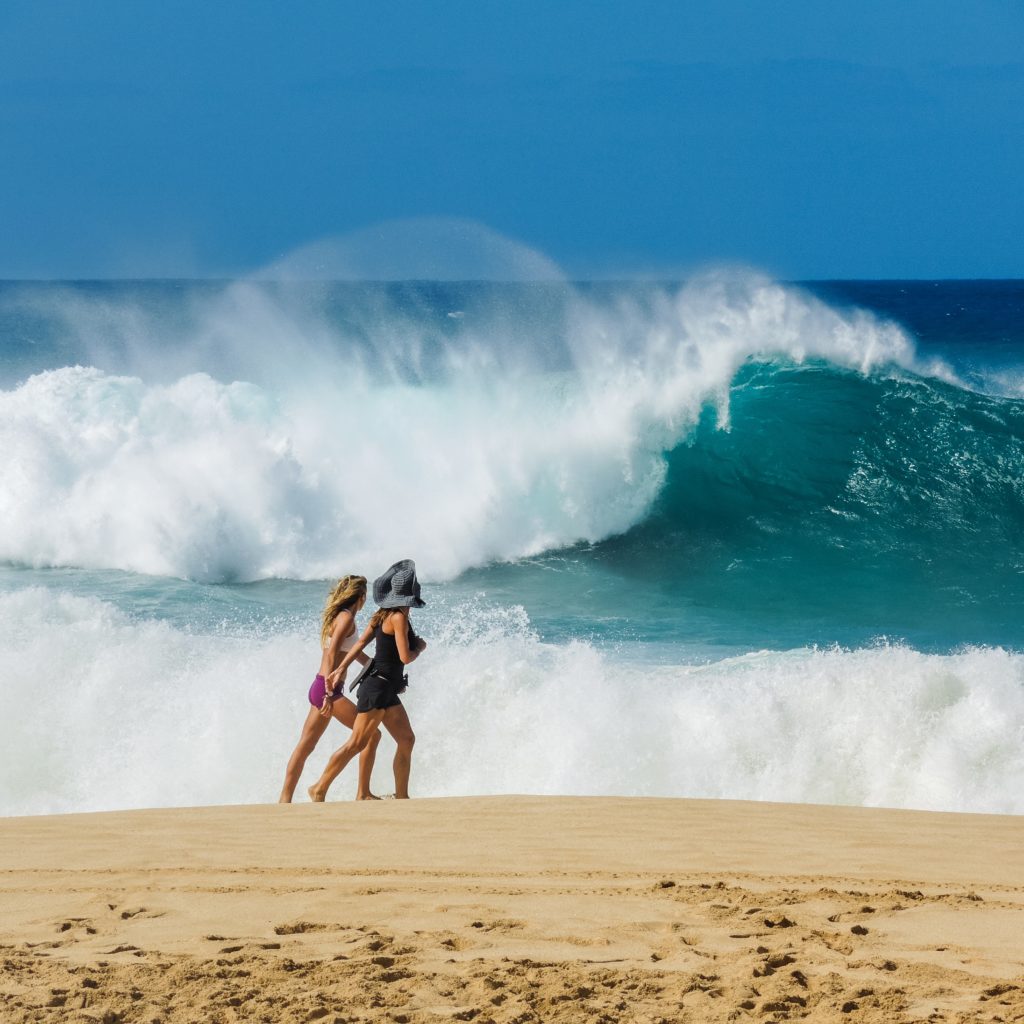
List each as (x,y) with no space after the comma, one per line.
(506,448)
(103,710)
(717,539)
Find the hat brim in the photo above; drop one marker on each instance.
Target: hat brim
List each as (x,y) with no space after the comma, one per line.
(402,602)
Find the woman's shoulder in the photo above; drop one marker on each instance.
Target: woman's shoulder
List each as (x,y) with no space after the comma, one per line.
(345,622)
(390,621)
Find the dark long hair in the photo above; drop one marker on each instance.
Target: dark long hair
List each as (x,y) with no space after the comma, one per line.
(380,615)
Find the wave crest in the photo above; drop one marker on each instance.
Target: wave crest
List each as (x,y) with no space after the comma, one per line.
(490,437)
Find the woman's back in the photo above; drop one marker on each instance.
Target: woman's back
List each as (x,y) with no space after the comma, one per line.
(386,660)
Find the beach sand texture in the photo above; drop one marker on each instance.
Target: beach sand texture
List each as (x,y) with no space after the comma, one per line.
(513,909)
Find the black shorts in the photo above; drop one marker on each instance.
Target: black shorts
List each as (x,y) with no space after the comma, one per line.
(378,694)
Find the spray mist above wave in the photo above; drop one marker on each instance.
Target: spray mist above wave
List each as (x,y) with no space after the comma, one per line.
(293,430)
(364,303)
(416,249)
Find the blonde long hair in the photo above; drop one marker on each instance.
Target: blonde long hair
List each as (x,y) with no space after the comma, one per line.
(345,595)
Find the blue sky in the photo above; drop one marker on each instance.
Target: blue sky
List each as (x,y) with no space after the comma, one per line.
(811,139)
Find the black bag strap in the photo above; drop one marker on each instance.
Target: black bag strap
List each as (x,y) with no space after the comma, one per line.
(368,670)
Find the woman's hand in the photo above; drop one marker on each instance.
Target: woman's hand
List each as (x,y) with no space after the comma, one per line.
(337,677)
(325,707)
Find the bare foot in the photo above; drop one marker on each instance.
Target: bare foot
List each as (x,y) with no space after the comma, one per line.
(369,796)
(315,795)
(282,799)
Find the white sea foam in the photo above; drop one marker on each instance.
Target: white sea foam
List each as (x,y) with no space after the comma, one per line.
(326,451)
(103,711)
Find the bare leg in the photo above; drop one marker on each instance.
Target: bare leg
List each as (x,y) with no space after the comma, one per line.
(345,712)
(366,724)
(396,721)
(312,730)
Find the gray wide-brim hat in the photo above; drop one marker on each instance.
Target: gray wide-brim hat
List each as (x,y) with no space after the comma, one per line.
(398,587)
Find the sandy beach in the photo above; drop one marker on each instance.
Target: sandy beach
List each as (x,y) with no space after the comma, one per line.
(513,909)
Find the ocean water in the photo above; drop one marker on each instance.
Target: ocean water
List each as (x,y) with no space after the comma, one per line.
(728,537)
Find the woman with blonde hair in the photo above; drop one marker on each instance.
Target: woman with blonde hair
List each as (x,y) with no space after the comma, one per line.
(337,637)
(395,646)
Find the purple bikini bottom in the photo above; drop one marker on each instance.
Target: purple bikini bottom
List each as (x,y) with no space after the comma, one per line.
(317,692)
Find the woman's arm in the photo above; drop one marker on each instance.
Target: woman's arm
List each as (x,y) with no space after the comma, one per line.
(416,643)
(340,635)
(406,653)
(343,624)
(352,655)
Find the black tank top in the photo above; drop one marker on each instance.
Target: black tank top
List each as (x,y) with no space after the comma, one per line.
(386,661)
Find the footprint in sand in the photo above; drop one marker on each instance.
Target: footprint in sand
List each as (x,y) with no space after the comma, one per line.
(501,925)
(77,922)
(772,963)
(298,927)
(784,1005)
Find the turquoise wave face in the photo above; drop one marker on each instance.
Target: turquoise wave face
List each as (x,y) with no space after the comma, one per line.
(835,508)
(564,449)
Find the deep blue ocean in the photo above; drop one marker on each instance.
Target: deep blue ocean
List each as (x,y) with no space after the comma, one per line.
(728,537)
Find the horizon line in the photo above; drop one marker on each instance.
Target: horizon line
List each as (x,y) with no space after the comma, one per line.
(482,280)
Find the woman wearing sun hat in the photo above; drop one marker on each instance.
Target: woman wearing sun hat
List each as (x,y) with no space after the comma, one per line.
(395,646)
